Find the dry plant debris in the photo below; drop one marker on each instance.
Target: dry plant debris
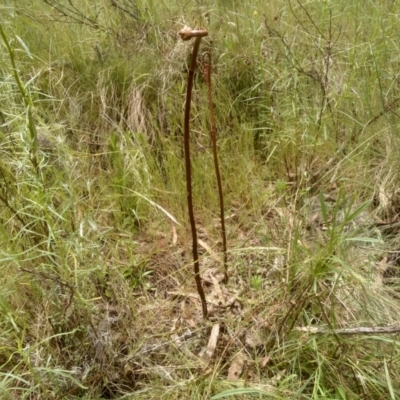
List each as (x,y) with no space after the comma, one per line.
(236,367)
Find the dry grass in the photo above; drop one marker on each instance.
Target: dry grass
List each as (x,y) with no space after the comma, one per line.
(97,293)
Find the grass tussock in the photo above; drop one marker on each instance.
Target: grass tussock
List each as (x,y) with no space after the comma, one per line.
(97,293)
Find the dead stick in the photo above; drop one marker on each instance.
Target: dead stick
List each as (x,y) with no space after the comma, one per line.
(213,132)
(187,34)
(362,330)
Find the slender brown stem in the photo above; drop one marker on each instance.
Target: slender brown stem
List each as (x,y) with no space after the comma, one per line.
(213,133)
(187,34)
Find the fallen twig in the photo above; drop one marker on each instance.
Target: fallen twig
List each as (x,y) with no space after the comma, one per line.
(362,330)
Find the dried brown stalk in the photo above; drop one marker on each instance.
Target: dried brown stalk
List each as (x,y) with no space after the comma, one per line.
(187,34)
(213,132)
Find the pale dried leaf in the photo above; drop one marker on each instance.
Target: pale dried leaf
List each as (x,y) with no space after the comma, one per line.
(265,360)
(236,367)
(212,342)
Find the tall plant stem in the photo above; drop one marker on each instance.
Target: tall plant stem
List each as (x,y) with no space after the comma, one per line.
(187,34)
(28,103)
(213,133)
